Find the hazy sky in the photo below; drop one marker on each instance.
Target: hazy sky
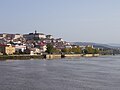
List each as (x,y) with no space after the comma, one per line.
(73,20)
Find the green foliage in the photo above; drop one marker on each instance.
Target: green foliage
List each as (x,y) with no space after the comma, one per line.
(52,50)
(90,50)
(11,42)
(66,50)
(76,50)
(96,51)
(49,49)
(85,51)
(56,51)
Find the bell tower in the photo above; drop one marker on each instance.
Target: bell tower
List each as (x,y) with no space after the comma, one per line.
(35,32)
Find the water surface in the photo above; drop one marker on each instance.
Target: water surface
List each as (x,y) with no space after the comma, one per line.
(97,73)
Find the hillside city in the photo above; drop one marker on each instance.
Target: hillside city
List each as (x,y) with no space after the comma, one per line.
(39,43)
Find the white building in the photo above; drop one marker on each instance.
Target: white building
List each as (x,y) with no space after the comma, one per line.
(20,47)
(3,35)
(35,35)
(40,35)
(43,48)
(18,36)
(49,36)
(59,40)
(35,51)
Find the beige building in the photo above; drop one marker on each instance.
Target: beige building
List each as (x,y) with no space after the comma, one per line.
(18,36)
(9,50)
(3,35)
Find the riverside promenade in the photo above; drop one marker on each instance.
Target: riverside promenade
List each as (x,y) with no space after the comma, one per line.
(21,57)
(46,56)
(54,56)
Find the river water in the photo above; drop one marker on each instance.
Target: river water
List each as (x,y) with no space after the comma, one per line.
(96,73)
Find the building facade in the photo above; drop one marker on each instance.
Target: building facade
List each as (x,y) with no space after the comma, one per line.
(9,50)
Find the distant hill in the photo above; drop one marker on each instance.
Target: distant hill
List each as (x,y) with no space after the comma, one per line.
(114,45)
(97,45)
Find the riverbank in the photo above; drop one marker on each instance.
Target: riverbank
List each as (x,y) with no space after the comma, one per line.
(21,57)
(47,56)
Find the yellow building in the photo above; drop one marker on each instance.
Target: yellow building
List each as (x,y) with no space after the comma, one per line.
(9,50)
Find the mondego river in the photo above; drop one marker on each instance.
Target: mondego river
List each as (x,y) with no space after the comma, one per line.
(96,73)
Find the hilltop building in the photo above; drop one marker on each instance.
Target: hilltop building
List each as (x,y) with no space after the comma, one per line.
(49,37)
(32,36)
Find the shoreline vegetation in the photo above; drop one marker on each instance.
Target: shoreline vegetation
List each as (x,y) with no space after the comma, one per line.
(46,56)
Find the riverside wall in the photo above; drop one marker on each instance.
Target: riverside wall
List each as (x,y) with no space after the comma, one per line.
(73,55)
(22,57)
(47,56)
(52,56)
(91,55)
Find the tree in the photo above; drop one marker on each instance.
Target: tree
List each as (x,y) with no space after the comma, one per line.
(50,49)
(96,51)
(85,51)
(66,50)
(76,50)
(89,50)
(12,43)
(56,51)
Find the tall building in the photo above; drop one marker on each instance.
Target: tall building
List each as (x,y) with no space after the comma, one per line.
(35,35)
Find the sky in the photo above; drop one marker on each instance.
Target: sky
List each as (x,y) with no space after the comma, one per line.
(73,20)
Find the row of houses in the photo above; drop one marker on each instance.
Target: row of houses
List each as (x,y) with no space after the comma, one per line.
(32,43)
(29,43)
(9,37)
(29,36)
(20,49)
